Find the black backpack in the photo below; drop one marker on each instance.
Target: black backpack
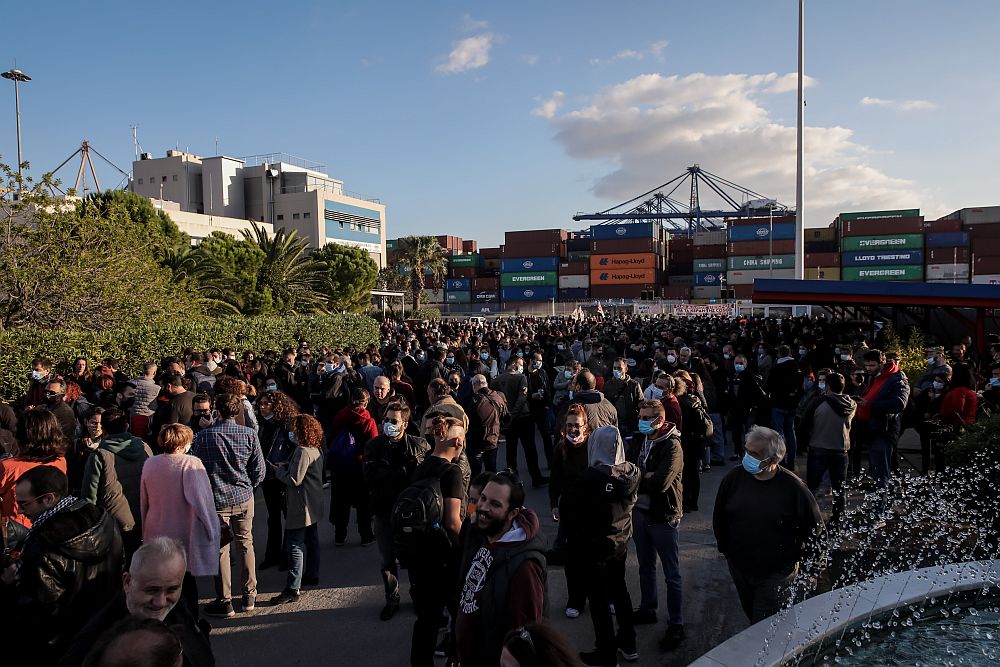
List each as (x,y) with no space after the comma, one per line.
(417,517)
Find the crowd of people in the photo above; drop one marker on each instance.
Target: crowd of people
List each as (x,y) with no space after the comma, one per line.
(117,492)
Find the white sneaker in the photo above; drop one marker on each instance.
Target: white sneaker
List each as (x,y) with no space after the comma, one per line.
(572,613)
(629,656)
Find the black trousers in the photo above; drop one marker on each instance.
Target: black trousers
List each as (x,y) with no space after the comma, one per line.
(274,500)
(605,584)
(691,477)
(522,430)
(432,587)
(347,490)
(540,417)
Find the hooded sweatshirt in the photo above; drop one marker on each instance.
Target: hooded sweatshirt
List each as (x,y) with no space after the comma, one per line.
(112,475)
(598,506)
(503,587)
(831,423)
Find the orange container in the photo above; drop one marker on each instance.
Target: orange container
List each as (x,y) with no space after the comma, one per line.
(623,277)
(646,260)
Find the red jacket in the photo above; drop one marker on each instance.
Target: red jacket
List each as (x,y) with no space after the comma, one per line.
(361,424)
(958,407)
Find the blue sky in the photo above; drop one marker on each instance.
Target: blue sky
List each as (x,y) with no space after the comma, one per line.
(471,118)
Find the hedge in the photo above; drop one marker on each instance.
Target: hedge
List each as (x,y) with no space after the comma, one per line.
(153,340)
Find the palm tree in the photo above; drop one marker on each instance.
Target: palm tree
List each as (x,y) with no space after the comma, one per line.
(197,271)
(288,274)
(421,253)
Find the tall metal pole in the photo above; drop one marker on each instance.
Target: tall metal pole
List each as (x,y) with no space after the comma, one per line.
(17,75)
(799,176)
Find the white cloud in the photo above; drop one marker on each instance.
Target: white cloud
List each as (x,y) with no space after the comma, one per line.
(652,127)
(902,105)
(547,108)
(654,50)
(470,24)
(468,54)
(529,59)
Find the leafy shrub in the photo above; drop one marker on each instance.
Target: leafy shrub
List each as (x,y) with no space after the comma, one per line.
(975,441)
(424,314)
(911,351)
(151,340)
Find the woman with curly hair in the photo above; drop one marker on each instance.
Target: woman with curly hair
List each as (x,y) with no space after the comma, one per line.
(276,413)
(43,443)
(303,475)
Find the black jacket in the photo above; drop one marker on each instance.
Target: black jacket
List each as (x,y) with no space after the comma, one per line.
(71,565)
(697,424)
(785,384)
(598,512)
(389,466)
(660,493)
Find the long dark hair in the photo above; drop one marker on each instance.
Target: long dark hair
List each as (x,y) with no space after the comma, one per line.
(43,438)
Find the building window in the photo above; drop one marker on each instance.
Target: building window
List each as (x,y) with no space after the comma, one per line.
(164,180)
(281,217)
(140,181)
(306,215)
(295,216)
(175,177)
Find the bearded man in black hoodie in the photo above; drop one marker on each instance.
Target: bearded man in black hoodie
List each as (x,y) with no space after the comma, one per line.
(826,428)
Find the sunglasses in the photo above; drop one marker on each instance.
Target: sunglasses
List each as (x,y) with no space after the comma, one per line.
(394,422)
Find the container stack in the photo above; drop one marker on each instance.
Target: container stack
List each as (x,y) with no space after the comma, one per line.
(574,273)
(529,270)
(984,250)
(882,245)
(822,254)
(946,252)
(626,260)
(709,264)
(680,268)
(759,248)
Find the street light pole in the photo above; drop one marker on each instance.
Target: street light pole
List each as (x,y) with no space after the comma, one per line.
(17,75)
(799,175)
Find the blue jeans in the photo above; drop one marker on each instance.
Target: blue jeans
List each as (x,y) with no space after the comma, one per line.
(783,421)
(717,450)
(880,450)
(652,539)
(303,546)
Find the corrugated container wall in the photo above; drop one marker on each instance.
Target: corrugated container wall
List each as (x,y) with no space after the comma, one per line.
(540,293)
(907,273)
(894,242)
(634,230)
(573,281)
(516,265)
(710,238)
(779,232)
(882,226)
(882,258)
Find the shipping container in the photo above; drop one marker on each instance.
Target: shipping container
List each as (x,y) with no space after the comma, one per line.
(574,281)
(706,265)
(485,283)
(707,251)
(985,264)
(619,246)
(520,250)
(778,232)
(457,297)
(630,261)
(630,230)
(492,264)
(822,273)
(577,244)
(946,271)
(685,281)
(491,253)
(574,293)
(485,295)
(579,258)
(882,258)
(980,214)
(681,242)
(750,262)
(433,296)
(681,256)
(747,277)
(914,272)
(466,272)
(984,232)
(574,268)
(680,268)
(879,215)
(623,277)
(717,237)
(391,244)
(677,292)
(785,247)
(742,292)
(985,247)
(946,255)
(706,292)
(470,245)
(485,308)
(521,264)
(714,279)
(458,284)
(528,293)
(986,279)
(946,239)
(820,235)
(456,261)
(819,260)
(820,246)
(629,292)
(893,242)
(547,278)
(934,226)
(529,236)
(761,220)
(452,243)
(948,281)
(882,226)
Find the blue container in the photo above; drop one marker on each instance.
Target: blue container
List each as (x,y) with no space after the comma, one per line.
(708,279)
(947,239)
(625,230)
(882,258)
(529,264)
(528,293)
(486,295)
(458,284)
(574,293)
(782,232)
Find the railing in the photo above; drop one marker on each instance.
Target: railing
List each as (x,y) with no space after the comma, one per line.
(272,158)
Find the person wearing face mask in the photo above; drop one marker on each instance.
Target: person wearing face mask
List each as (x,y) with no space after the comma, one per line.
(351,429)
(625,394)
(560,384)
(879,412)
(540,403)
(487,364)
(826,430)
(765,521)
(991,394)
(276,414)
(764,362)
(656,449)
(747,395)
(958,406)
(41,373)
(389,463)
(514,386)
(569,460)
(484,409)
(784,385)
(696,428)
(55,402)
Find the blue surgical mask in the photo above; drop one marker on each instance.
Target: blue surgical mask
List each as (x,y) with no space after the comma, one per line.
(449,360)
(520,354)
(567,374)
(271,387)
(821,385)
(656,393)
(938,385)
(330,368)
(484,355)
(646,427)
(291,437)
(752,465)
(845,357)
(391,430)
(726,356)
(571,394)
(802,351)
(268,418)
(618,374)
(536,364)
(739,367)
(995,382)
(930,362)
(37,375)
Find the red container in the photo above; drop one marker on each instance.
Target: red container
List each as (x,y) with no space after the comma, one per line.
(759,220)
(820,234)
(450,242)
(986,265)
(517,250)
(985,247)
(491,253)
(574,269)
(620,291)
(470,246)
(619,246)
(677,292)
(680,242)
(464,272)
(742,291)
(485,283)
(982,232)
(882,226)
(741,248)
(946,255)
(541,236)
(708,251)
(824,260)
(934,226)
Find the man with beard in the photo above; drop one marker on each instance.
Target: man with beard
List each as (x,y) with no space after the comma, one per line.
(502,572)
(151,590)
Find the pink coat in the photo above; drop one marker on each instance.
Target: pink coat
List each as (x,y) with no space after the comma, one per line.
(176,501)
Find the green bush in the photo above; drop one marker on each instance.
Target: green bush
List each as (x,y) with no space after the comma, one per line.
(976,441)
(424,314)
(152,340)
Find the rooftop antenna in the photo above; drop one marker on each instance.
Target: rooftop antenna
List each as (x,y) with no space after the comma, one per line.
(135,140)
(216,146)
